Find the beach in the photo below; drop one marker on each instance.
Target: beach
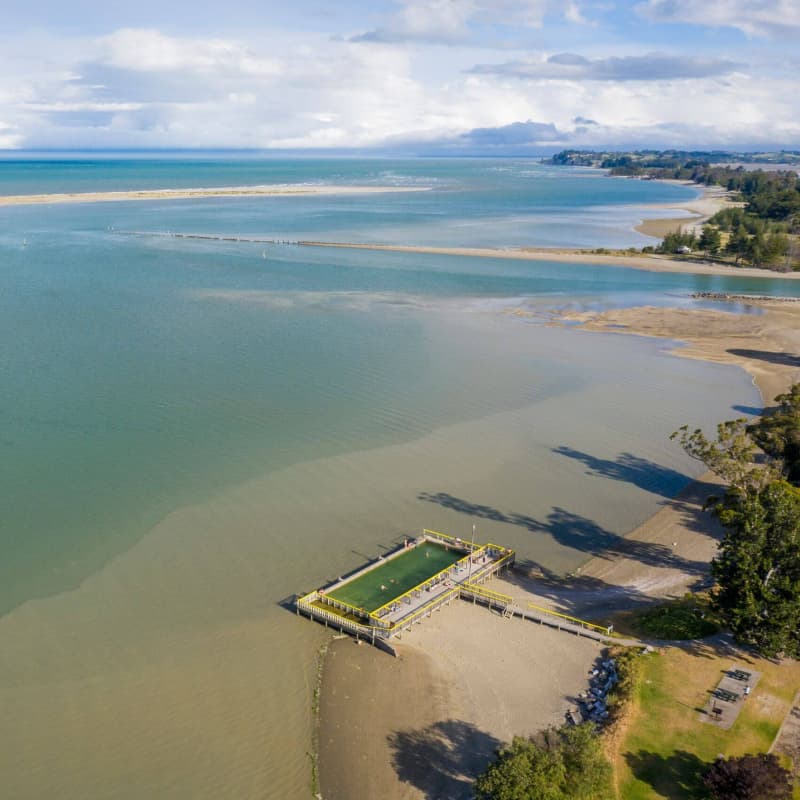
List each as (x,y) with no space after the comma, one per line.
(424,724)
(496,677)
(711,200)
(634,260)
(283,190)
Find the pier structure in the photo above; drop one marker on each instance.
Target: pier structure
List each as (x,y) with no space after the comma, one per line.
(381,600)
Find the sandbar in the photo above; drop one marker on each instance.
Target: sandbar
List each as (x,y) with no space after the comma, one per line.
(640,261)
(199,193)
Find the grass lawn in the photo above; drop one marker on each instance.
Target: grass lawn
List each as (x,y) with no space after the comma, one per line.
(664,747)
(690,617)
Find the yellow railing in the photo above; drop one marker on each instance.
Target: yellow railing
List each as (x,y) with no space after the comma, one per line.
(332,601)
(574,620)
(509,555)
(489,594)
(422,610)
(337,619)
(307,598)
(454,540)
(420,586)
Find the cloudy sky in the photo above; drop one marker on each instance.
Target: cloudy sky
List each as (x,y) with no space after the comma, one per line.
(404,75)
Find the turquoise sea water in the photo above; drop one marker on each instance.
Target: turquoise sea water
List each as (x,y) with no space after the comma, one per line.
(146,375)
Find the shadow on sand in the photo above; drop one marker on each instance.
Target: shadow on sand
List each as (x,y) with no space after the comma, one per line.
(443,759)
(583,534)
(771,357)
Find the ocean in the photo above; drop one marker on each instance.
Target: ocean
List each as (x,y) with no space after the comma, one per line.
(194,430)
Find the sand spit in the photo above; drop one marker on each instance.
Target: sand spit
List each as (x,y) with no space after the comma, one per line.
(200,193)
(640,261)
(711,200)
(766,345)
(423,725)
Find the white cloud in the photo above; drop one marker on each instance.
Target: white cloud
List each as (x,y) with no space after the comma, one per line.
(143,88)
(147,50)
(448,21)
(780,18)
(648,67)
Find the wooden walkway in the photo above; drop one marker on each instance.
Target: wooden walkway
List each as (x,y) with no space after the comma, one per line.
(553,619)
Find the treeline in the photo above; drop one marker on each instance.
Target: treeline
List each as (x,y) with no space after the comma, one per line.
(771,196)
(749,240)
(638,161)
(764,232)
(757,569)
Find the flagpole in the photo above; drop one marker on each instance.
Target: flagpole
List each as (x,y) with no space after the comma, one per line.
(471,549)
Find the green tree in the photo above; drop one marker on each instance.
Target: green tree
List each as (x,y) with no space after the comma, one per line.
(750,777)
(562,764)
(778,434)
(710,240)
(588,770)
(731,455)
(739,243)
(757,568)
(523,771)
(675,240)
(776,247)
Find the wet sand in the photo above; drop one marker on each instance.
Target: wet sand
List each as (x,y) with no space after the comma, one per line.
(767,347)
(514,677)
(198,193)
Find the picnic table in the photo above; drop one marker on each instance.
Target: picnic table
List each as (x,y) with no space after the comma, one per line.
(724,694)
(740,675)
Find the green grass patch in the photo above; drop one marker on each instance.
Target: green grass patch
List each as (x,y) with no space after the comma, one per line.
(665,747)
(628,662)
(396,576)
(688,618)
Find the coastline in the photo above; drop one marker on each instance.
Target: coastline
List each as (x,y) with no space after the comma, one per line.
(494,707)
(711,200)
(640,261)
(266,190)
(762,345)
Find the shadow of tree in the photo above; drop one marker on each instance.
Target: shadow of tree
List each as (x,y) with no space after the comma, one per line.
(630,468)
(574,531)
(678,776)
(443,759)
(753,411)
(579,595)
(784,359)
(720,645)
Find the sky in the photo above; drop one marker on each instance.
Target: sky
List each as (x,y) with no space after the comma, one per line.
(400,76)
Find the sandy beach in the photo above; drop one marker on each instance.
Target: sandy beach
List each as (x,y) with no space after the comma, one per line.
(640,261)
(424,724)
(711,200)
(199,193)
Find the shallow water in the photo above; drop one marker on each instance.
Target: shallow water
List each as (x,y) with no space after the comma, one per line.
(193,432)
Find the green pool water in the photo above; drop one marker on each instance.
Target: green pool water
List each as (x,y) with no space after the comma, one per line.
(397,576)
